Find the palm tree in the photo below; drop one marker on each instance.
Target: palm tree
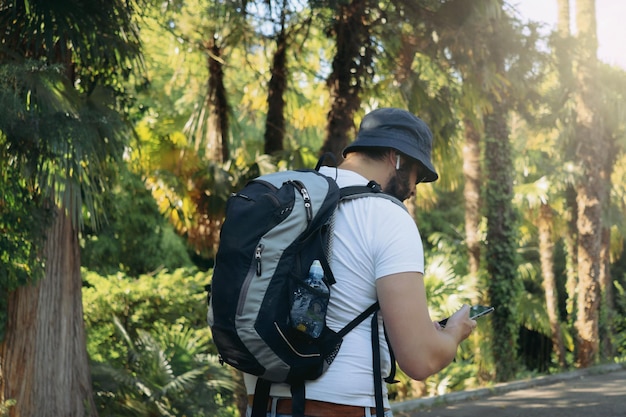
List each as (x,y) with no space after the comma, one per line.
(277,86)
(613,81)
(591,154)
(501,245)
(212,28)
(64,126)
(350,68)
(488,38)
(501,262)
(465,36)
(539,196)
(472,172)
(565,112)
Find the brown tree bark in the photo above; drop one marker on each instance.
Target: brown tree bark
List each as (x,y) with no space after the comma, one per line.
(208,127)
(546,255)
(471,194)
(43,357)
(607,305)
(588,189)
(571,253)
(346,79)
(217,139)
(275,122)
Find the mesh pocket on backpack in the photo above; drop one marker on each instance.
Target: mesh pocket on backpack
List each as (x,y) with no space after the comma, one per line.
(308,307)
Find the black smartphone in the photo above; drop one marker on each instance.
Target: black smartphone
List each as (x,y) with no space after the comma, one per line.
(479,311)
(475,312)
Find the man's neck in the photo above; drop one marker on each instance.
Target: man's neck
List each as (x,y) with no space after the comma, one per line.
(371,169)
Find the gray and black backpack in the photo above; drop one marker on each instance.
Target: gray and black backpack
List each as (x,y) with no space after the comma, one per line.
(274,229)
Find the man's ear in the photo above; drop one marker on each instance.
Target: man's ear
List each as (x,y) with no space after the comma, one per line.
(394,158)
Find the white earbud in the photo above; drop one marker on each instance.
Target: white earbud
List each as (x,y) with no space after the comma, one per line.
(397,162)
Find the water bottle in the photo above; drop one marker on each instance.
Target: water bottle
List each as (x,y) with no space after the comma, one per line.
(310,300)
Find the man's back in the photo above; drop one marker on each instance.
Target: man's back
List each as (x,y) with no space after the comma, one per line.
(377,256)
(373,238)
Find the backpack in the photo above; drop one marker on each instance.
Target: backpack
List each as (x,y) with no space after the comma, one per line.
(274,229)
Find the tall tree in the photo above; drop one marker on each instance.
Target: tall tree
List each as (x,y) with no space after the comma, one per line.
(275,121)
(504,285)
(612,80)
(472,173)
(351,64)
(211,28)
(492,58)
(216,104)
(500,254)
(188,178)
(546,253)
(563,54)
(63,128)
(465,36)
(590,154)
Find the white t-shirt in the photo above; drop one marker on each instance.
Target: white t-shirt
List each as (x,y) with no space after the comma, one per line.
(373,238)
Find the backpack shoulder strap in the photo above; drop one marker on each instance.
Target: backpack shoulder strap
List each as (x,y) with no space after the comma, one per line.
(372,189)
(358,319)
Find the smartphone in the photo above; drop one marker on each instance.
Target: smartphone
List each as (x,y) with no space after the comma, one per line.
(475,312)
(479,311)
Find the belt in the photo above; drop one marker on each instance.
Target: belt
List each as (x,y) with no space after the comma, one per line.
(313,408)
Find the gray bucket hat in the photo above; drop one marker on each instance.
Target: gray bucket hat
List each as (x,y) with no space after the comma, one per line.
(400,130)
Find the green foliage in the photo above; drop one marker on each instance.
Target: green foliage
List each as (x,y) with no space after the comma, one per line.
(135,238)
(501,251)
(176,298)
(444,223)
(58,138)
(146,334)
(619,334)
(22,225)
(5,406)
(165,371)
(150,346)
(23,221)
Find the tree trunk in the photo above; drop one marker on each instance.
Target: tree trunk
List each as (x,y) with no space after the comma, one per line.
(607,305)
(275,122)
(563,18)
(564,61)
(501,248)
(208,126)
(346,79)
(472,193)
(546,255)
(571,253)
(504,285)
(588,197)
(217,142)
(44,357)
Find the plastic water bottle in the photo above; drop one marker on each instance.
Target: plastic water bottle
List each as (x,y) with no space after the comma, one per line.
(308,310)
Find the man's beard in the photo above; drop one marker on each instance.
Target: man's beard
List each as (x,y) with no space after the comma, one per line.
(399,185)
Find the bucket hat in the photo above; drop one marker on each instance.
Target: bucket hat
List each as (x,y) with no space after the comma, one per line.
(400,130)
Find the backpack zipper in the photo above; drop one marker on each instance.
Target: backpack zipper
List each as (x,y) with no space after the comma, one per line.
(255,269)
(257,258)
(306,197)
